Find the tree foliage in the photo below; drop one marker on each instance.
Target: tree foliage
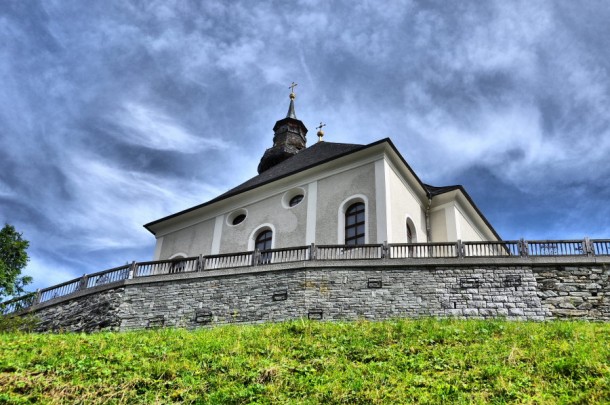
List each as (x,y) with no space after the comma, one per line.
(13,259)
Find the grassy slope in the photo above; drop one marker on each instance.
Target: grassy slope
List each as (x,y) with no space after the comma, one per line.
(427,361)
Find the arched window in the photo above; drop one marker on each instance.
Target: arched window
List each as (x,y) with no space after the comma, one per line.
(354,224)
(176,265)
(411,237)
(262,243)
(409,233)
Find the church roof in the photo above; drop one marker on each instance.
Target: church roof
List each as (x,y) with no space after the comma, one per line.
(317,154)
(314,155)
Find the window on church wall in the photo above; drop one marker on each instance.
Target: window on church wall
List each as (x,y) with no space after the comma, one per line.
(262,243)
(295,200)
(411,237)
(354,224)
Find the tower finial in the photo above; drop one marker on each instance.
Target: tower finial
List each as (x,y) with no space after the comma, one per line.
(291,87)
(320,132)
(291,113)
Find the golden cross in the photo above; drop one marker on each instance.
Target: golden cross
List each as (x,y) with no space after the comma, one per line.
(292,86)
(321,126)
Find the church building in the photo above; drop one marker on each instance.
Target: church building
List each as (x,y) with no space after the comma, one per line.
(327,194)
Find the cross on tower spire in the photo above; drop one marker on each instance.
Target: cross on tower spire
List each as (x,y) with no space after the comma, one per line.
(320,132)
(291,87)
(291,113)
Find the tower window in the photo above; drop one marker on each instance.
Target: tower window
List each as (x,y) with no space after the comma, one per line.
(354,224)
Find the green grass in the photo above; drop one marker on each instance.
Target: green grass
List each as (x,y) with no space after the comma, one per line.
(403,361)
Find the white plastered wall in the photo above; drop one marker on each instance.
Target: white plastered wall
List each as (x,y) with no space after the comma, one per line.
(334,190)
(466,230)
(403,204)
(193,241)
(438,225)
(451,223)
(289,223)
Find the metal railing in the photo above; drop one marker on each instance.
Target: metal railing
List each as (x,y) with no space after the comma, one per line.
(349,252)
(59,290)
(154,268)
(108,276)
(556,248)
(601,247)
(423,250)
(459,249)
(492,249)
(18,304)
(227,261)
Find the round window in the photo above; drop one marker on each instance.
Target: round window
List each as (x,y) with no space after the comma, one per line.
(239,219)
(295,200)
(293,197)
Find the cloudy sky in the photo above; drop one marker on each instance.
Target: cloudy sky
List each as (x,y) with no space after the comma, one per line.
(117,113)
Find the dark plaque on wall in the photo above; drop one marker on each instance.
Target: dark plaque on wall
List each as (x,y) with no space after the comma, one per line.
(469,283)
(375,283)
(203,316)
(280,295)
(512,281)
(156,322)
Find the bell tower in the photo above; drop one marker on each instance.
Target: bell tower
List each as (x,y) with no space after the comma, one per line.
(289,138)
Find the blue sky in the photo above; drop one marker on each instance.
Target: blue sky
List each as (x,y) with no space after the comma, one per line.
(117,113)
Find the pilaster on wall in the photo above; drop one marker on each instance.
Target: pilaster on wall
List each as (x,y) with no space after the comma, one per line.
(158,248)
(312,209)
(382,201)
(217,235)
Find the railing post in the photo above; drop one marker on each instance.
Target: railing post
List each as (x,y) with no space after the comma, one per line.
(587,247)
(83,282)
(37,297)
(312,251)
(384,249)
(256,257)
(200,263)
(460,248)
(523,248)
(132,270)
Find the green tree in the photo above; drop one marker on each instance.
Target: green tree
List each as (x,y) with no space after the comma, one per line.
(13,258)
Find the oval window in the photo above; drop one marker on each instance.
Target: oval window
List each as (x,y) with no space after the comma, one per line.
(295,200)
(236,217)
(239,219)
(293,197)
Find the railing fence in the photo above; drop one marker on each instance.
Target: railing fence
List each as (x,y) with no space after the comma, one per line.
(459,249)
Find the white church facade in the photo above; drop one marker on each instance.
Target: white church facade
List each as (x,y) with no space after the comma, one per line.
(325,194)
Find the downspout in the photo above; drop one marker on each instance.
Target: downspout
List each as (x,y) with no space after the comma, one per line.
(428,229)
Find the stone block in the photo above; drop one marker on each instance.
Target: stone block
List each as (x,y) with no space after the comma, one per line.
(569,312)
(515,312)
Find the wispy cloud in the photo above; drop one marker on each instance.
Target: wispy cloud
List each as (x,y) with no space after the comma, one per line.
(146,126)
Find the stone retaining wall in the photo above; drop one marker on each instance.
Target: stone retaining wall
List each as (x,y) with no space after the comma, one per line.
(94,312)
(333,291)
(571,291)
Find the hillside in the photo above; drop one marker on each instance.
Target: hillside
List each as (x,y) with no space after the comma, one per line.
(426,361)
